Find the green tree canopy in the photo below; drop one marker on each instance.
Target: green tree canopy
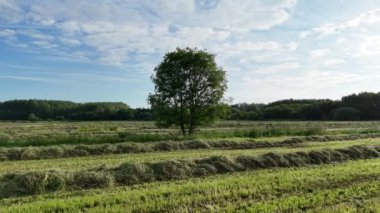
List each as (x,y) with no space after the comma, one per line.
(189,88)
(347,114)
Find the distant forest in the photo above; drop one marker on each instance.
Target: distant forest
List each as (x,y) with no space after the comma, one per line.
(363,106)
(66,110)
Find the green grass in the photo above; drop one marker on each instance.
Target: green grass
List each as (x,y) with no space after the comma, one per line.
(152,137)
(313,188)
(81,163)
(16,134)
(350,186)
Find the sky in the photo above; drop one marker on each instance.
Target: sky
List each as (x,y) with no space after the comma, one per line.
(97,50)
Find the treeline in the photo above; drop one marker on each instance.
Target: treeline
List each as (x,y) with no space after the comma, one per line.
(362,106)
(67,110)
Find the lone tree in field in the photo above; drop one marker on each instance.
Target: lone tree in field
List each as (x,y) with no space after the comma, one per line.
(189,88)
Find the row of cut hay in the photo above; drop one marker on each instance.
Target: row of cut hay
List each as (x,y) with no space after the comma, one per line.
(64,151)
(38,182)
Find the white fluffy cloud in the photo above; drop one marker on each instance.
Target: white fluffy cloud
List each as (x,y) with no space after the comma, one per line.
(369,46)
(327,58)
(354,41)
(366,19)
(117,29)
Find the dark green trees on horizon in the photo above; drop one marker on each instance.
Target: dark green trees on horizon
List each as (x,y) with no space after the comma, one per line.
(34,110)
(189,88)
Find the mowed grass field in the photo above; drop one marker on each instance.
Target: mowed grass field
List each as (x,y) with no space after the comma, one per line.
(232,166)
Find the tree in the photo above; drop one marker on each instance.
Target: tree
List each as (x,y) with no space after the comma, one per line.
(366,102)
(189,88)
(347,114)
(311,112)
(32,117)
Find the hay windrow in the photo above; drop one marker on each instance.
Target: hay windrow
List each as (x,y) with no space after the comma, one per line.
(65,151)
(39,182)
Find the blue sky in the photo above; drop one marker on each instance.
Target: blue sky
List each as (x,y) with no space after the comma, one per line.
(94,50)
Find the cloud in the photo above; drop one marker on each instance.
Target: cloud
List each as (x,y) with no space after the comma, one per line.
(247,51)
(25,78)
(368,18)
(333,62)
(70,27)
(119,30)
(369,46)
(45,44)
(7,33)
(36,35)
(266,46)
(70,42)
(10,11)
(278,68)
(353,41)
(239,15)
(319,52)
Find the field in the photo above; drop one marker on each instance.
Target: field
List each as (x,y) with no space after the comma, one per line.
(233,166)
